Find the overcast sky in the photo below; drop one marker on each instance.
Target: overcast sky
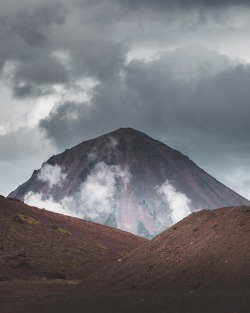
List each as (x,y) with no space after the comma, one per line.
(176,70)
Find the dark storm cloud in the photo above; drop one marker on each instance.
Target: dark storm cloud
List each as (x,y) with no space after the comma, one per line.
(186,3)
(36,77)
(184,98)
(26,90)
(31,24)
(96,35)
(166,4)
(43,70)
(24,34)
(162,96)
(196,102)
(32,33)
(98,58)
(221,105)
(25,29)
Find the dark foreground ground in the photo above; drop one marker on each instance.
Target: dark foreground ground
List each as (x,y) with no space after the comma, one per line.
(53,297)
(200,265)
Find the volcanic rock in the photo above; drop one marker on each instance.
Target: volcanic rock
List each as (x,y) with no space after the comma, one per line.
(126,179)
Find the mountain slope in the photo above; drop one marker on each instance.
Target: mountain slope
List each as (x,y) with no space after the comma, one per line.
(39,243)
(208,250)
(127,180)
(201,264)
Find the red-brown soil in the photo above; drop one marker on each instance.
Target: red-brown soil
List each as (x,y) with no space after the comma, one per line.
(126,302)
(36,243)
(208,250)
(200,265)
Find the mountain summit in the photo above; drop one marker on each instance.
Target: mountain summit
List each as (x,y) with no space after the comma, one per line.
(127,180)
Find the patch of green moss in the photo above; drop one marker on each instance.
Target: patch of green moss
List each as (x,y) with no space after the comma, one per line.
(63,231)
(28,219)
(101,246)
(122,254)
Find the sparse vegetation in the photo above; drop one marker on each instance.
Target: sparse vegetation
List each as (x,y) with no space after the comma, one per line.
(122,254)
(40,245)
(101,246)
(63,231)
(26,219)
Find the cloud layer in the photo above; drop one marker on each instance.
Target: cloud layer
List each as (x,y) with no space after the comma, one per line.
(185,89)
(177,70)
(193,91)
(179,204)
(51,174)
(97,198)
(101,199)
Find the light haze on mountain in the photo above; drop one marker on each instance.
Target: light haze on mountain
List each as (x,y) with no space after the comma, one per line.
(127,180)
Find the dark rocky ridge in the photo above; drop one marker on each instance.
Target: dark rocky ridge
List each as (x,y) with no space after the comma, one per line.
(150,163)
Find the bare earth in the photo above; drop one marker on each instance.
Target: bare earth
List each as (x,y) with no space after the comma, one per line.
(51,297)
(200,265)
(36,243)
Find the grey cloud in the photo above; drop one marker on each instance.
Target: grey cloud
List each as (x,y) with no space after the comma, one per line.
(25,90)
(98,58)
(96,34)
(25,32)
(20,143)
(32,33)
(184,98)
(222,104)
(161,4)
(42,71)
(203,116)
(21,152)
(30,22)
(60,124)
(25,29)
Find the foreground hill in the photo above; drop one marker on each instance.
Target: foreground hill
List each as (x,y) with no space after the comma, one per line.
(202,264)
(208,250)
(38,243)
(126,179)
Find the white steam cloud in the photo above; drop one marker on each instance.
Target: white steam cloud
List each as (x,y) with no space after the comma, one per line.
(103,197)
(92,156)
(101,188)
(48,203)
(51,174)
(97,198)
(179,204)
(110,145)
(113,142)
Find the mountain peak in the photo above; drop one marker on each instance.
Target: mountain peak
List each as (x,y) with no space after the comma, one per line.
(126,131)
(127,180)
